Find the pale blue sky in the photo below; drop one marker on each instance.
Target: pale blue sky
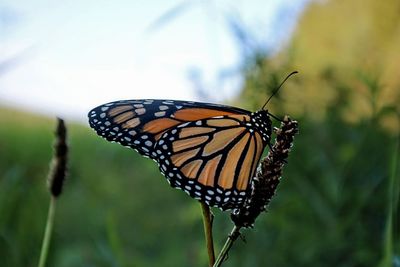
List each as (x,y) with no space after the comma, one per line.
(74,55)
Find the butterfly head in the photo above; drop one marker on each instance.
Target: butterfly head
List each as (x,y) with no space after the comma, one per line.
(261,120)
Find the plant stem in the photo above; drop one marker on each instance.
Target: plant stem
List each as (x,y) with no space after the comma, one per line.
(47,233)
(207,223)
(235,233)
(393,198)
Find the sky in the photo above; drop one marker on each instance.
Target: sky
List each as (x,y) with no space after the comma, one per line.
(62,58)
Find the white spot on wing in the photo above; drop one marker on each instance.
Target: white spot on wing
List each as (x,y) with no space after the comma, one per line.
(183,125)
(140,111)
(159,114)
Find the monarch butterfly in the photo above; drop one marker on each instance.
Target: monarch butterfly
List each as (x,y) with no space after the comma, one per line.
(210,151)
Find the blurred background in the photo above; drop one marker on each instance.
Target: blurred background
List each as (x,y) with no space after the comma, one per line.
(338,201)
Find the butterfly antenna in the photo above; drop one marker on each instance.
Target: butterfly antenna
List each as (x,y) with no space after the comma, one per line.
(279,87)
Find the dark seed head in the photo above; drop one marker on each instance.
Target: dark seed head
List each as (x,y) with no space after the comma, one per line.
(58,167)
(264,184)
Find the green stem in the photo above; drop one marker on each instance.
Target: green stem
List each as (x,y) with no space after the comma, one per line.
(393,197)
(235,233)
(47,233)
(207,223)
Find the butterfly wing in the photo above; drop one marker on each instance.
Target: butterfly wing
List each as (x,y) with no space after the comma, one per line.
(209,151)
(211,159)
(140,123)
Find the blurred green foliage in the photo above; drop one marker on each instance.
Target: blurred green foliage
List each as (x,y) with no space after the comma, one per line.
(337,204)
(331,208)
(116,209)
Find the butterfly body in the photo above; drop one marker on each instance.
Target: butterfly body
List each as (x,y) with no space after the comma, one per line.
(209,151)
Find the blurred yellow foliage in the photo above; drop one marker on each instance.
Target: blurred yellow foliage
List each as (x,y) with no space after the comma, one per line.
(348,55)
